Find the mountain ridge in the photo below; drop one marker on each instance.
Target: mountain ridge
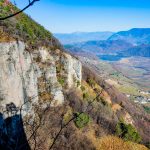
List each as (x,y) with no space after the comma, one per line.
(131,41)
(82,36)
(134,36)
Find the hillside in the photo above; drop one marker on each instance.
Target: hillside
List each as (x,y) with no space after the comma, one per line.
(142,50)
(50,100)
(22,27)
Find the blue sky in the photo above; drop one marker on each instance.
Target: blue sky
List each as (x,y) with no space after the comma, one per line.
(65,16)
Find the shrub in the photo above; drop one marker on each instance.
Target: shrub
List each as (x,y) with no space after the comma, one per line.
(104,102)
(91,82)
(97,90)
(67,115)
(61,81)
(85,96)
(59,67)
(78,83)
(127,132)
(82,88)
(82,120)
(147,109)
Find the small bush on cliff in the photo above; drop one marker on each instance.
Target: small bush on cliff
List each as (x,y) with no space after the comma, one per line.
(147,109)
(82,120)
(82,88)
(127,132)
(104,102)
(78,83)
(61,81)
(91,82)
(85,96)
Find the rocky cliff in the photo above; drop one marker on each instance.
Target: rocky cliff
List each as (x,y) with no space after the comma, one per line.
(25,75)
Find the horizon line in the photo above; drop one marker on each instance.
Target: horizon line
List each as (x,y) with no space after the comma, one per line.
(73,32)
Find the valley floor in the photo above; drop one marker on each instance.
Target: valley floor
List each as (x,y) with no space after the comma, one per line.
(130,76)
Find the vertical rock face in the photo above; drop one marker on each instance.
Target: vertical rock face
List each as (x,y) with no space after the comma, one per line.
(25,75)
(50,75)
(18,81)
(73,70)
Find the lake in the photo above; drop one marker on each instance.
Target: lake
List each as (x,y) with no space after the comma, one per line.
(110,57)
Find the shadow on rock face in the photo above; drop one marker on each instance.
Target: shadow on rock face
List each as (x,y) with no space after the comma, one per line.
(12,135)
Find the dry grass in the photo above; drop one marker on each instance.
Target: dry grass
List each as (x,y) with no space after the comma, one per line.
(113,143)
(68,115)
(116,107)
(106,97)
(45,96)
(4,37)
(89,90)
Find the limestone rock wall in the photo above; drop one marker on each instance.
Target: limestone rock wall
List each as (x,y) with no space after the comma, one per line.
(18,81)
(26,74)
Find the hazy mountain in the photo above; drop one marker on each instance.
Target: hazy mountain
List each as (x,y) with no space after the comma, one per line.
(134,42)
(134,36)
(82,36)
(98,47)
(142,50)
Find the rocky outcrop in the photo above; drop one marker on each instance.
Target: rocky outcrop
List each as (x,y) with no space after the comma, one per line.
(18,80)
(25,75)
(73,70)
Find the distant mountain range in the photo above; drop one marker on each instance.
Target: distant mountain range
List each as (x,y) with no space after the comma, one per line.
(77,37)
(99,47)
(134,42)
(135,36)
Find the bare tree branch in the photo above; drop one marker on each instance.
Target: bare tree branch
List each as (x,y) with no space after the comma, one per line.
(12,15)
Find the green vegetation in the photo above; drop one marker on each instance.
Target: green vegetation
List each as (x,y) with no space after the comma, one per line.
(22,27)
(68,115)
(127,132)
(147,109)
(91,82)
(61,81)
(82,120)
(115,74)
(82,88)
(78,83)
(85,95)
(58,69)
(102,101)
(127,89)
